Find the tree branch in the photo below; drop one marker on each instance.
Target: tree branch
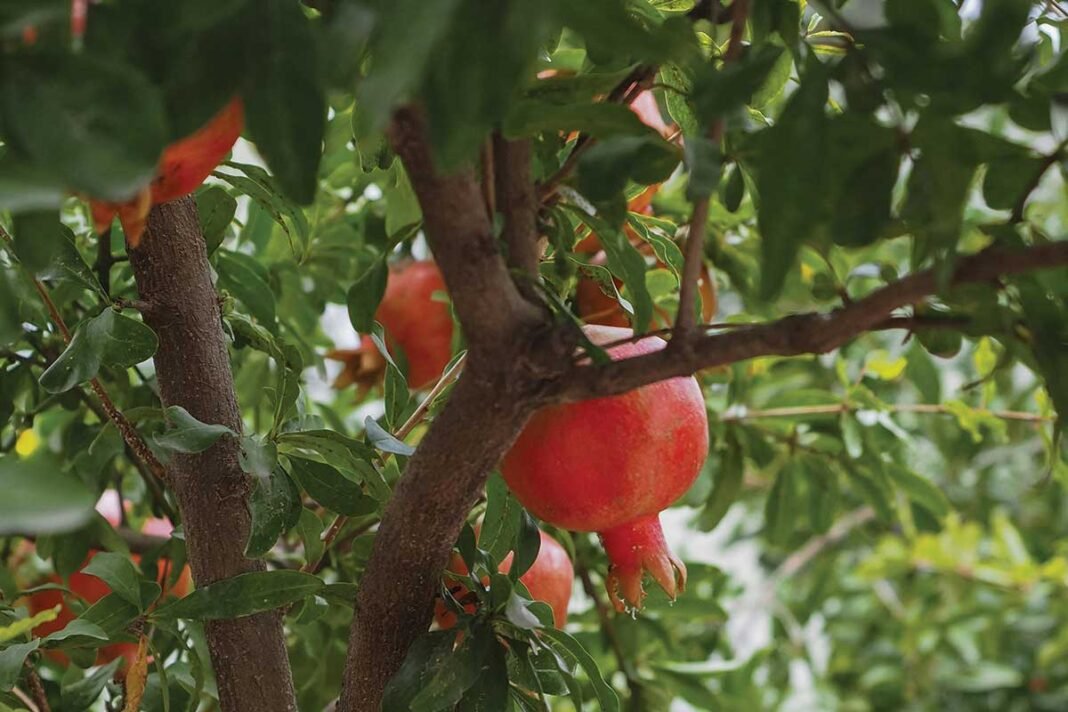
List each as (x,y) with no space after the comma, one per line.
(485,412)
(193,370)
(811,333)
(686,319)
(518,202)
(460,234)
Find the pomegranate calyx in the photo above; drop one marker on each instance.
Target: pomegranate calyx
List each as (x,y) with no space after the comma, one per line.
(633,549)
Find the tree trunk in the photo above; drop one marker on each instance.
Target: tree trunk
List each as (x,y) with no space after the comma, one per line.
(420,526)
(193,369)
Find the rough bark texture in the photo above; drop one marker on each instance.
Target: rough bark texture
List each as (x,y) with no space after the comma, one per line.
(419,527)
(193,370)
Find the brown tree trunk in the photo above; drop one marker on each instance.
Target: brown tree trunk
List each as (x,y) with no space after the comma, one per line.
(193,370)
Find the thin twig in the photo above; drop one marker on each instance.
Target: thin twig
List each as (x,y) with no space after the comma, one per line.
(836,408)
(37,689)
(640,77)
(331,533)
(686,319)
(129,433)
(24,699)
(1017,215)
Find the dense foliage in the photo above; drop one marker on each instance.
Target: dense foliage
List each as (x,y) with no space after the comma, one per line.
(888,520)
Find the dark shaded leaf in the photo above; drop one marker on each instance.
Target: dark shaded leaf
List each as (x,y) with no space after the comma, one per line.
(242,595)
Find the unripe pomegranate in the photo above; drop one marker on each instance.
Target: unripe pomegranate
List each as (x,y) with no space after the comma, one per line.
(610,465)
(184,165)
(549,579)
(414,320)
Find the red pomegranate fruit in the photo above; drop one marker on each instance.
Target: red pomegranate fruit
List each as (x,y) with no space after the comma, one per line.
(610,465)
(414,320)
(184,165)
(549,579)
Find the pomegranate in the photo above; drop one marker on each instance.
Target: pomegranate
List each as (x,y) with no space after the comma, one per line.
(183,166)
(645,106)
(609,465)
(91,589)
(549,579)
(416,322)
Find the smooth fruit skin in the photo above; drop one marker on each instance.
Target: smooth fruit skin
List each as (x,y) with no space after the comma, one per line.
(610,465)
(549,579)
(183,167)
(414,320)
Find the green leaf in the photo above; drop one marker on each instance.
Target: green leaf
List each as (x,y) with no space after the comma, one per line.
(216,209)
(38,236)
(603,170)
(938,186)
(285,105)
(919,489)
(79,632)
(189,435)
(528,544)
(275,507)
(108,339)
(532,117)
(310,528)
(383,440)
(96,150)
(28,187)
(790,167)
(242,275)
(66,265)
(407,38)
(327,486)
(242,595)
(11,662)
(628,264)
(780,508)
(500,525)
(490,692)
(120,574)
(726,486)
(366,294)
(1046,318)
(39,498)
(705,163)
(81,694)
(717,92)
(427,654)
(568,646)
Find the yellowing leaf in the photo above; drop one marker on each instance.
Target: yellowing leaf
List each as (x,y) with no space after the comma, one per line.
(136,677)
(27,443)
(881,365)
(27,624)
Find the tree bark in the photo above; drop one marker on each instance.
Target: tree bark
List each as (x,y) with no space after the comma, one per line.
(419,527)
(193,369)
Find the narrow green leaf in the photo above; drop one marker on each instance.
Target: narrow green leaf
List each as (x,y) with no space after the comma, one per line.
(120,574)
(366,294)
(564,643)
(189,435)
(242,595)
(109,339)
(383,440)
(275,507)
(40,498)
(327,486)
(12,659)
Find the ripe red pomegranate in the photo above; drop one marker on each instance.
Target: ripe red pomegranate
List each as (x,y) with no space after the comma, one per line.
(184,165)
(549,579)
(91,589)
(609,465)
(416,322)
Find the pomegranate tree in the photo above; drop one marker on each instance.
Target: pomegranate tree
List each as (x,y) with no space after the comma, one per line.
(610,465)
